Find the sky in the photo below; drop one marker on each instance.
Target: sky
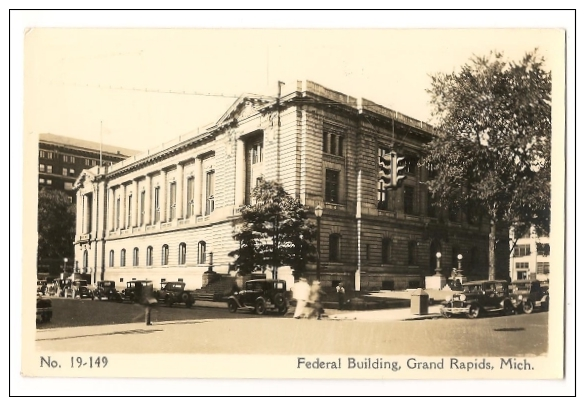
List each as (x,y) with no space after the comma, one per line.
(105,83)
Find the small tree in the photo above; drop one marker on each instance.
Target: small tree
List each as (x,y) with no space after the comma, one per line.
(56,226)
(274,231)
(492,149)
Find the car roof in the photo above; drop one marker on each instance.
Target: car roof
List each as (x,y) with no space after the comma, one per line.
(479,282)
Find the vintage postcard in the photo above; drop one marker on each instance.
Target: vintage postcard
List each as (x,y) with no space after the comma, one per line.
(294,203)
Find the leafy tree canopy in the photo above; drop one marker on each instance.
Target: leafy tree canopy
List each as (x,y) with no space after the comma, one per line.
(492,148)
(273,231)
(56,225)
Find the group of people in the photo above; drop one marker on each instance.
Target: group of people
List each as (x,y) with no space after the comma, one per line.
(309,298)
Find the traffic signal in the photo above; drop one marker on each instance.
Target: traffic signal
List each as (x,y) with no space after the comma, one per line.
(398,173)
(385,173)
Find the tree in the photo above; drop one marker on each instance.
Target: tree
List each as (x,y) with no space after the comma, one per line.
(492,144)
(274,231)
(56,226)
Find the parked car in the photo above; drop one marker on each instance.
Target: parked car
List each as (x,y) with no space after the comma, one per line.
(172,292)
(528,295)
(44,309)
(42,287)
(260,296)
(81,289)
(107,289)
(480,297)
(129,294)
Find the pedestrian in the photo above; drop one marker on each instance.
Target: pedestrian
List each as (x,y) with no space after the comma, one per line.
(146,298)
(315,297)
(301,291)
(340,295)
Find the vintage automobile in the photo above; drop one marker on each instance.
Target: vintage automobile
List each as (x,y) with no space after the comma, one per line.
(528,295)
(44,309)
(42,287)
(172,292)
(479,297)
(107,289)
(260,296)
(81,289)
(129,294)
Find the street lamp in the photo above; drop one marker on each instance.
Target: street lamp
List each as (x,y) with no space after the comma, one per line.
(459,268)
(438,269)
(318,214)
(65,265)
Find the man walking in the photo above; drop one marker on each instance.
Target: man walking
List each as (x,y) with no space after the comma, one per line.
(301,292)
(340,295)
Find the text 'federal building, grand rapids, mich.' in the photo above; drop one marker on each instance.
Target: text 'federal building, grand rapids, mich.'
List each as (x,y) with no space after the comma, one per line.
(167,213)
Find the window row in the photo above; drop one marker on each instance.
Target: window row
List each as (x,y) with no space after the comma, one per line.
(44,181)
(49,169)
(522,250)
(44,154)
(335,254)
(164,255)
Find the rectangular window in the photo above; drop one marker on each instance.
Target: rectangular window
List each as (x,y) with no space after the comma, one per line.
(173,200)
(333,142)
(156,204)
(410,163)
(42,154)
(257,153)
(542,268)
(50,155)
(142,209)
(409,200)
(49,182)
(129,212)
(332,186)
(68,185)
(522,265)
(522,250)
(71,172)
(41,180)
(65,172)
(210,191)
(190,197)
(543,249)
(50,169)
(88,162)
(41,167)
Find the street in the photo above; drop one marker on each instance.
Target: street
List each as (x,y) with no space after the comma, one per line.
(216,331)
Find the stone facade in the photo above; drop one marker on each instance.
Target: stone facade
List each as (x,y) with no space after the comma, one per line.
(185,194)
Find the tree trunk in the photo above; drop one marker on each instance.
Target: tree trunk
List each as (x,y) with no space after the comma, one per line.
(492,250)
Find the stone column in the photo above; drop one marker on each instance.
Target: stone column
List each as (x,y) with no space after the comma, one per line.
(79,215)
(122,206)
(240,193)
(198,183)
(147,202)
(163,196)
(111,209)
(135,204)
(180,192)
(86,214)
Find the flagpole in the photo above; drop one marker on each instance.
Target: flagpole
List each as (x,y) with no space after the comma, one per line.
(101,133)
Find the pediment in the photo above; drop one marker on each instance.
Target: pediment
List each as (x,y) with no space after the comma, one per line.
(85,176)
(244,107)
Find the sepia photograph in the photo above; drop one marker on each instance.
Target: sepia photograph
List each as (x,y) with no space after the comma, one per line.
(216,202)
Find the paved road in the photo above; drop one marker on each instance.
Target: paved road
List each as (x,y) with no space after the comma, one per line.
(82,312)
(217,331)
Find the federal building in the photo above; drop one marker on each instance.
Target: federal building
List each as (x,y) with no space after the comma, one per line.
(167,213)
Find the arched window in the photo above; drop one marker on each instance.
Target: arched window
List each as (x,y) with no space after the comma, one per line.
(386,250)
(149,256)
(334,247)
(112,258)
(135,257)
(165,255)
(412,253)
(182,253)
(201,255)
(123,258)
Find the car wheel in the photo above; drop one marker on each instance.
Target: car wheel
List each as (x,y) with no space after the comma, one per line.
(283,309)
(260,307)
(232,306)
(473,311)
(527,307)
(185,297)
(279,300)
(508,309)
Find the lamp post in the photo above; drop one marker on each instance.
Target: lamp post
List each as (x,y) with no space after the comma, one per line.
(64,265)
(318,214)
(459,268)
(210,268)
(438,269)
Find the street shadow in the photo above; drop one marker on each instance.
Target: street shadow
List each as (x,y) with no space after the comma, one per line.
(129,332)
(509,329)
